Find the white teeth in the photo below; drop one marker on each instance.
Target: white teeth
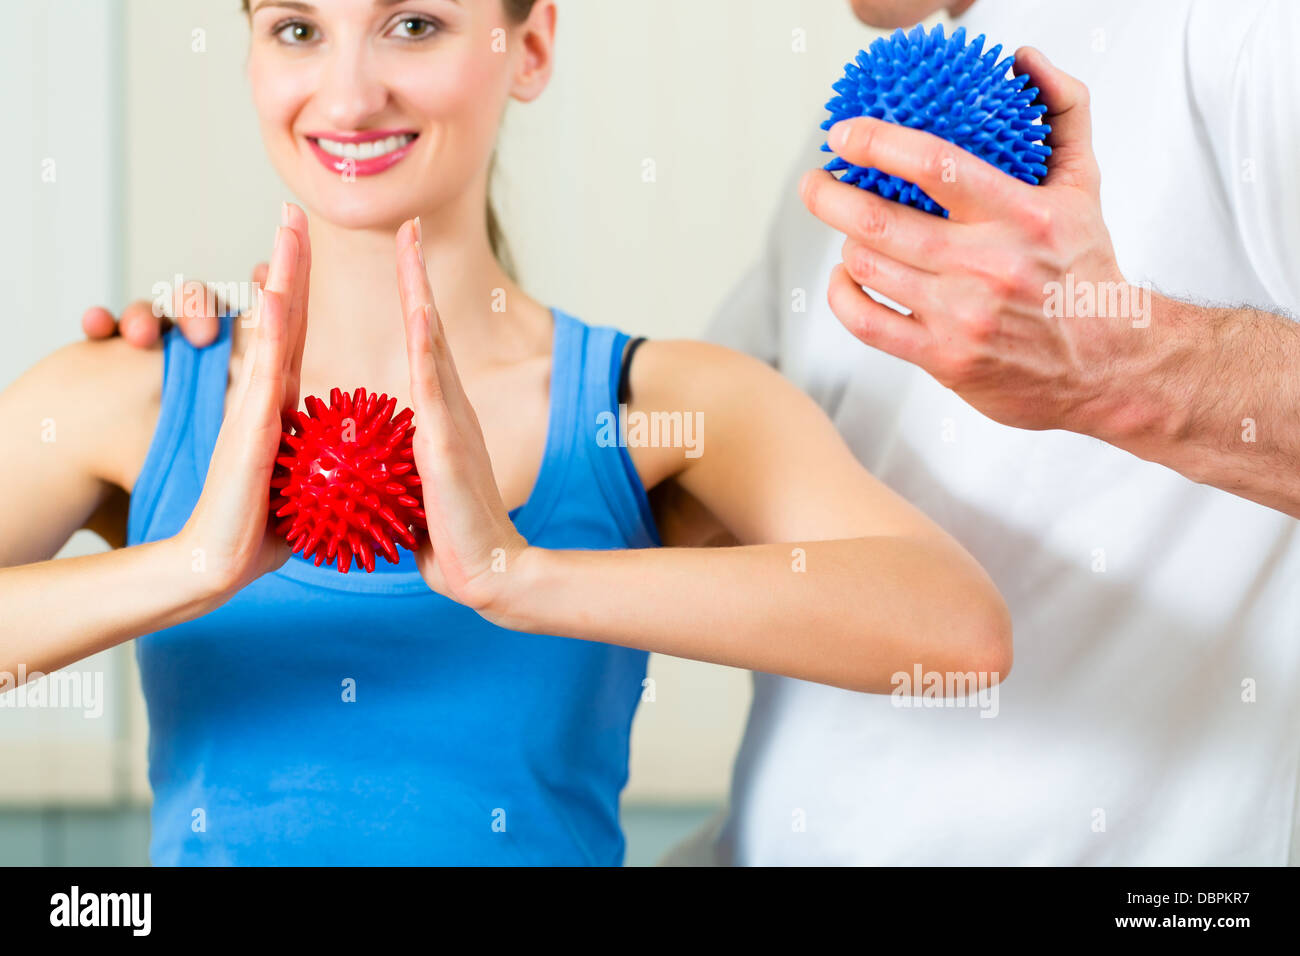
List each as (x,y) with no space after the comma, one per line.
(369,150)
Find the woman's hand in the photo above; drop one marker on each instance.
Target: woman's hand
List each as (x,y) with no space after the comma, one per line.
(472,544)
(227,534)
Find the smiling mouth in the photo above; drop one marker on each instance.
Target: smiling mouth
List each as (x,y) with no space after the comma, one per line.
(372,149)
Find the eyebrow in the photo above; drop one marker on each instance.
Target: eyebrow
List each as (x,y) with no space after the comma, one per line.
(308,8)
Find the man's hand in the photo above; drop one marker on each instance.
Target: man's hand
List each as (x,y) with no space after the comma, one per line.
(977,283)
(1018,305)
(140,326)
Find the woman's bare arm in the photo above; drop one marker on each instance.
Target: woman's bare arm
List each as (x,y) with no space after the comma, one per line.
(75,428)
(60,611)
(837,580)
(68,425)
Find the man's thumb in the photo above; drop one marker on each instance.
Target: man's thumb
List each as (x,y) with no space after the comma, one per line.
(1068,113)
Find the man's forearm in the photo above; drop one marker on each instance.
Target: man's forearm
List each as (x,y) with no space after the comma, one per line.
(1215,395)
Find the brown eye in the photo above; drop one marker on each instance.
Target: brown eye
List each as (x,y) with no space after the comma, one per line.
(414,28)
(296,33)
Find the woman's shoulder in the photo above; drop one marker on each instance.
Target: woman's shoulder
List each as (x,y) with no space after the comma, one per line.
(692,387)
(104,398)
(666,373)
(100,379)
(667,368)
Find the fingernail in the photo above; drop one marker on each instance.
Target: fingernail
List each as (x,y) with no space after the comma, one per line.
(419,231)
(284,214)
(419,250)
(839,136)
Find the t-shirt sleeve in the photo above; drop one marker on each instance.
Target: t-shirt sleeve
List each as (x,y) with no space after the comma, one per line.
(749,319)
(1247,89)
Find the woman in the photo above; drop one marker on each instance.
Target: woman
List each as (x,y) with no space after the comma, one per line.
(472,703)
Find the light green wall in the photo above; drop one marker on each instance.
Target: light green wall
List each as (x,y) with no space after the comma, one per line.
(119,836)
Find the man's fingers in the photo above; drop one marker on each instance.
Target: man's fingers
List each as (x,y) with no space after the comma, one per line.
(1068,113)
(961,182)
(195,308)
(1066,99)
(98,323)
(911,288)
(900,232)
(142,326)
(875,324)
(199,330)
(139,326)
(259,273)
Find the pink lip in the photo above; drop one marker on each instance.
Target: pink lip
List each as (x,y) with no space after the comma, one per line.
(360,167)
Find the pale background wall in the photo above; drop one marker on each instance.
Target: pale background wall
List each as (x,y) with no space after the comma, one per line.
(146,105)
(60,181)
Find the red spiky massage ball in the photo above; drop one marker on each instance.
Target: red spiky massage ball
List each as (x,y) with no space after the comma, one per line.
(345,484)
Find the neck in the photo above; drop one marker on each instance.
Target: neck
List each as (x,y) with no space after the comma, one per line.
(355,333)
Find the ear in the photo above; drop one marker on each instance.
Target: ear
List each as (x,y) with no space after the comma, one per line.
(535,37)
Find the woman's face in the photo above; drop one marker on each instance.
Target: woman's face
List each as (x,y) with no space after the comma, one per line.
(374,110)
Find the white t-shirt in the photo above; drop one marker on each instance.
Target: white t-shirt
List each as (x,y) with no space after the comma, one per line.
(1153,715)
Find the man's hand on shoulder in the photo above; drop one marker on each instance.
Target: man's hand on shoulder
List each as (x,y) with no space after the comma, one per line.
(141,326)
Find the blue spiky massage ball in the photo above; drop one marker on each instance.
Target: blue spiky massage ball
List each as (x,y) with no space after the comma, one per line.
(947,87)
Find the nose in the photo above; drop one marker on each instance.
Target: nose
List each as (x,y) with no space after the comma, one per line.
(351,90)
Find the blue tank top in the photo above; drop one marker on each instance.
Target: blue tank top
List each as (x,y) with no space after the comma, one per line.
(320,718)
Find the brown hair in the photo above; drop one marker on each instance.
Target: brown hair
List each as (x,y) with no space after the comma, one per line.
(517,11)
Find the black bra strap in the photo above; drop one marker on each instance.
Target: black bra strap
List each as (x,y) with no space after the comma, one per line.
(624,389)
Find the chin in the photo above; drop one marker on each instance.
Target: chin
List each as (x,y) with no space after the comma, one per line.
(376,199)
(887,14)
(354,208)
